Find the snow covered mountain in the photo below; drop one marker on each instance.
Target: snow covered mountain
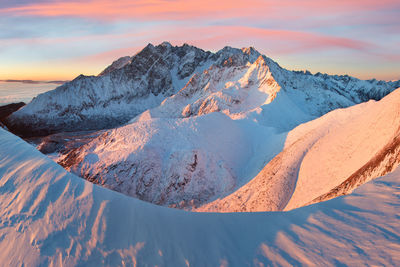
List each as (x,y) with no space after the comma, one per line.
(196,81)
(230,131)
(49,217)
(202,126)
(177,162)
(240,164)
(125,89)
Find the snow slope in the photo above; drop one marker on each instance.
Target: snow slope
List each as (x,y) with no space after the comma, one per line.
(49,217)
(324,158)
(197,81)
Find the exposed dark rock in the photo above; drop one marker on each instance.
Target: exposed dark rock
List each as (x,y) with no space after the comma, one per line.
(6,110)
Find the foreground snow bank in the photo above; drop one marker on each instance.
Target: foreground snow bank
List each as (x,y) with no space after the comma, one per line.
(51,217)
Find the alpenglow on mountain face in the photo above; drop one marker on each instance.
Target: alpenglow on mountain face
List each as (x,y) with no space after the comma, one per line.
(160,73)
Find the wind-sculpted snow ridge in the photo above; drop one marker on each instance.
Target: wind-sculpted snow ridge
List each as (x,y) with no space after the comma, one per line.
(324,158)
(197,81)
(49,217)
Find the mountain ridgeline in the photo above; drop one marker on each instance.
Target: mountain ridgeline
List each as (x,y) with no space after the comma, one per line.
(134,84)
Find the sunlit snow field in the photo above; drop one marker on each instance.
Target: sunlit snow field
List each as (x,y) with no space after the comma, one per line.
(12,92)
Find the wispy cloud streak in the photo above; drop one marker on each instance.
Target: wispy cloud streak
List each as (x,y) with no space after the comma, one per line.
(354,32)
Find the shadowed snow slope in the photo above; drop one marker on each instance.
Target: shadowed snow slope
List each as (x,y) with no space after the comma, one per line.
(51,217)
(324,158)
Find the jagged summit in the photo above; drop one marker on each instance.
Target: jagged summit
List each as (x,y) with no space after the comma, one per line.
(124,89)
(133,84)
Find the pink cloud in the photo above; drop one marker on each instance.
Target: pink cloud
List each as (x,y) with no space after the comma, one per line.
(189,9)
(281,41)
(277,42)
(140,9)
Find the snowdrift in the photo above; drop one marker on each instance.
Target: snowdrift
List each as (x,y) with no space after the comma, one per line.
(51,217)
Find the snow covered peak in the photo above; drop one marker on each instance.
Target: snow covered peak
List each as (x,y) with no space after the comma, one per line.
(119,63)
(231,89)
(251,51)
(229,56)
(166,43)
(134,84)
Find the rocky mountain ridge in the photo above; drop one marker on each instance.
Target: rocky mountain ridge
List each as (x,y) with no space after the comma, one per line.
(134,84)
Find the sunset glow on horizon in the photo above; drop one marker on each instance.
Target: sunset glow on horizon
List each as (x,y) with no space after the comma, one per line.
(58,40)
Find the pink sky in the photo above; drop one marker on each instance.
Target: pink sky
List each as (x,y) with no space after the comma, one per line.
(59,39)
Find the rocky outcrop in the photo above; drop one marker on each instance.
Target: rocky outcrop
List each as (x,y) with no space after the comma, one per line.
(7,110)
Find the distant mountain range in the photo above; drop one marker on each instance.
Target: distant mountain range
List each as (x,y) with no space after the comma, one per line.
(32,82)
